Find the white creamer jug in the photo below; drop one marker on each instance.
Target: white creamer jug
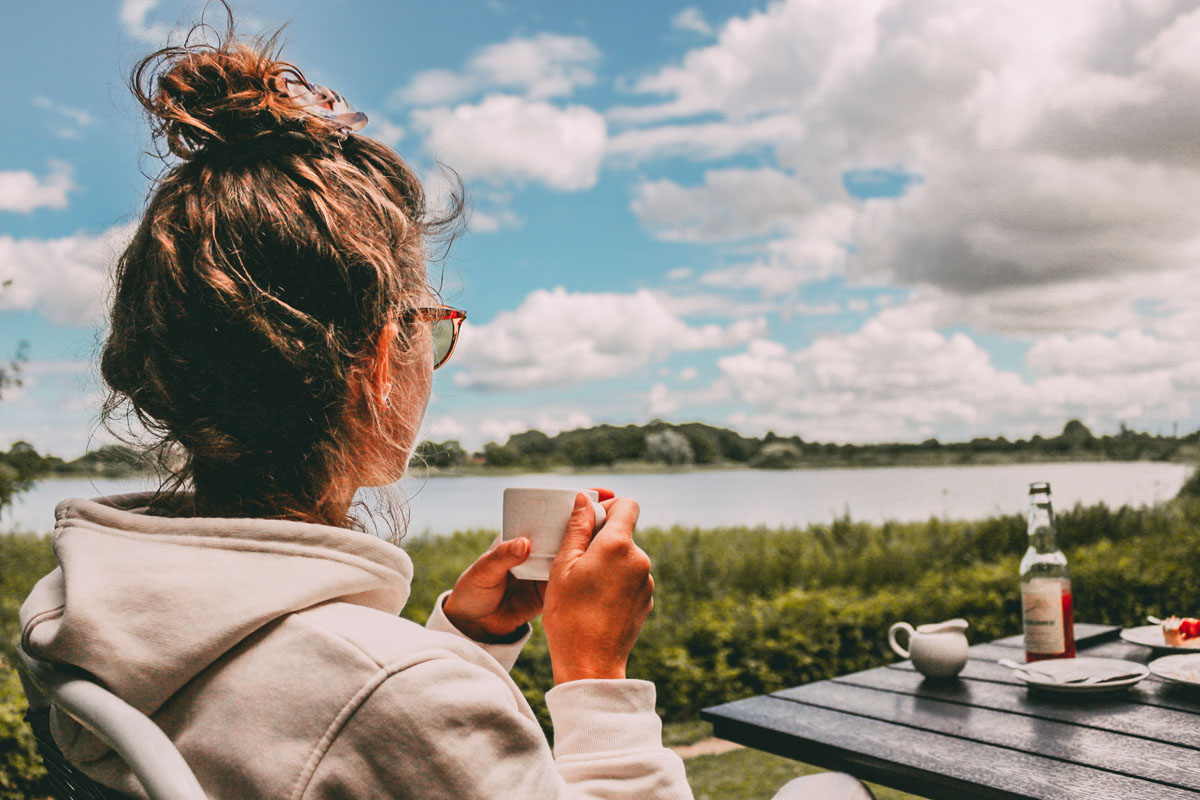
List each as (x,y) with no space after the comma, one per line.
(937,650)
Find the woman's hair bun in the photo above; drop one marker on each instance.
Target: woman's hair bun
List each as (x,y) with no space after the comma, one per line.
(231,92)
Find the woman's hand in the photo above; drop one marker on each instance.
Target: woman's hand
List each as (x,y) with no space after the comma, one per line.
(488,603)
(599,594)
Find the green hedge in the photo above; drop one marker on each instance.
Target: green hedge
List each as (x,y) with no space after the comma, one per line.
(742,611)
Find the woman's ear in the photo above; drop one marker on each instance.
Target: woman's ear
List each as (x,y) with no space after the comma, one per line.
(381,369)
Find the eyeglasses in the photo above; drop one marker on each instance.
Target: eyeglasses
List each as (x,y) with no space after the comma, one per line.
(446,323)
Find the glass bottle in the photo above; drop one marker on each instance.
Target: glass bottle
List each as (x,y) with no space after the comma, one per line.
(1046,603)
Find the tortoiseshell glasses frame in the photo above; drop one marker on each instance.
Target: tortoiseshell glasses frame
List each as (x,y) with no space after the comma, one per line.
(446,322)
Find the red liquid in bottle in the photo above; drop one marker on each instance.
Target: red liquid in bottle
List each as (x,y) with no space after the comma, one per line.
(1068,613)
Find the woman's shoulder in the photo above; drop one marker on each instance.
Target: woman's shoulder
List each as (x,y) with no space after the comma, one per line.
(393,644)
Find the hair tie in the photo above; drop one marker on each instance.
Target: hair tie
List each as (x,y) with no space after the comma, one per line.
(325,103)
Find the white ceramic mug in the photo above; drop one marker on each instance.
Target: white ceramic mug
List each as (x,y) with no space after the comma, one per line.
(937,650)
(541,515)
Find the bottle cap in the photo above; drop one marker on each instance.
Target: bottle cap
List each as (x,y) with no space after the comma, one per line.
(1039,488)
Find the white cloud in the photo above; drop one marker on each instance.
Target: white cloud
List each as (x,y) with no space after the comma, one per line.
(541,66)
(55,408)
(896,377)
(473,426)
(493,221)
(767,61)
(65,278)
(76,118)
(767,201)
(899,377)
(506,138)
(552,424)
(557,338)
(436,86)
(499,430)
(704,140)
(1055,145)
(133,15)
(692,19)
(443,426)
(679,274)
(660,402)
(813,248)
(816,309)
(385,131)
(713,304)
(22,191)
(688,374)
(1042,219)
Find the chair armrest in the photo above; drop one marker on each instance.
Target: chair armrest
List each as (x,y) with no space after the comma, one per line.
(145,748)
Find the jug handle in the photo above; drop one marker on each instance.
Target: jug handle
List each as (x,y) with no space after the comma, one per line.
(900,626)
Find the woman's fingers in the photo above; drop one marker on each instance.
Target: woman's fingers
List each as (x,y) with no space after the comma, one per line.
(579,529)
(622,519)
(605,494)
(491,569)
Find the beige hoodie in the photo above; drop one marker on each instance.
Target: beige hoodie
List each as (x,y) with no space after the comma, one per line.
(272,655)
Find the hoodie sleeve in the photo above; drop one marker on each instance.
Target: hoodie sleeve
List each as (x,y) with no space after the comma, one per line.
(506,654)
(450,729)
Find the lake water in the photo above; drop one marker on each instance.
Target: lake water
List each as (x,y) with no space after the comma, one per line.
(739,497)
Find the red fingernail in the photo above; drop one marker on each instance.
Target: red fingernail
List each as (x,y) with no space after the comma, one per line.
(581,500)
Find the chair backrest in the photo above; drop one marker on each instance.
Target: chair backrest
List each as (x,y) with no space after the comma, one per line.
(151,757)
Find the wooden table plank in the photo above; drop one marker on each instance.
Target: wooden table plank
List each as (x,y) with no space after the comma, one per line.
(986,734)
(935,765)
(1111,712)
(1064,741)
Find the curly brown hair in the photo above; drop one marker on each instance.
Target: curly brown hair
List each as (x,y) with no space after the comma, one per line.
(272,252)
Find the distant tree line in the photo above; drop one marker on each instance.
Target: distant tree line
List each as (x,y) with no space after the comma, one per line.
(22,464)
(687,444)
(697,443)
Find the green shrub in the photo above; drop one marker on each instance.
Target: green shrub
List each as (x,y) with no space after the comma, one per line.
(22,775)
(742,611)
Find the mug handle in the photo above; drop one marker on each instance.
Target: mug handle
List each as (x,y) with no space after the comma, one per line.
(900,626)
(601,516)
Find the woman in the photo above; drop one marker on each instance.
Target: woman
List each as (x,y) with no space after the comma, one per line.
(272,320)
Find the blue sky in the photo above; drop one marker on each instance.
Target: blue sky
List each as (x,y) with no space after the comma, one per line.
(853,220)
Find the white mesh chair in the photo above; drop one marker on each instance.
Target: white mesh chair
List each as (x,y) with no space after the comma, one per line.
(151,757)
(824,786)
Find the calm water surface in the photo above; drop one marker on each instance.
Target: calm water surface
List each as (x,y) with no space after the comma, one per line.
(743,497)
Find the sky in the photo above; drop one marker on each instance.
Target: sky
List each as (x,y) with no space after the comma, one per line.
(848,220)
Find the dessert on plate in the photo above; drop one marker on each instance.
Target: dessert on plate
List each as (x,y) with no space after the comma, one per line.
(1181,631)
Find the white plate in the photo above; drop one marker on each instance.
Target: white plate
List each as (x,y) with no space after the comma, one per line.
(1152,636)
(1183,668)
(1065,666)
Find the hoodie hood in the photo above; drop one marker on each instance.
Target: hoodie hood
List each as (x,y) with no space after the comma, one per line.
(146,602)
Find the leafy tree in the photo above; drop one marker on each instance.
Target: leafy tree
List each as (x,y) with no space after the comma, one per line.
(777,455)
(495,455)
(536,448)
(442,455)
(589,448)
(669,447)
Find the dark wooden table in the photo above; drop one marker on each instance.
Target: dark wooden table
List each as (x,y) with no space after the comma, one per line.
(985,734)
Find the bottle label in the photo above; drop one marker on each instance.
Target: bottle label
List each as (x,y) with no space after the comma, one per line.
(1042,610)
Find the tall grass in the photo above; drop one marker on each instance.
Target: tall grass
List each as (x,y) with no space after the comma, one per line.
(741,611)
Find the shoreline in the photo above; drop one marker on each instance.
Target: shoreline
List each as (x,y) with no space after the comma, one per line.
(653,468)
